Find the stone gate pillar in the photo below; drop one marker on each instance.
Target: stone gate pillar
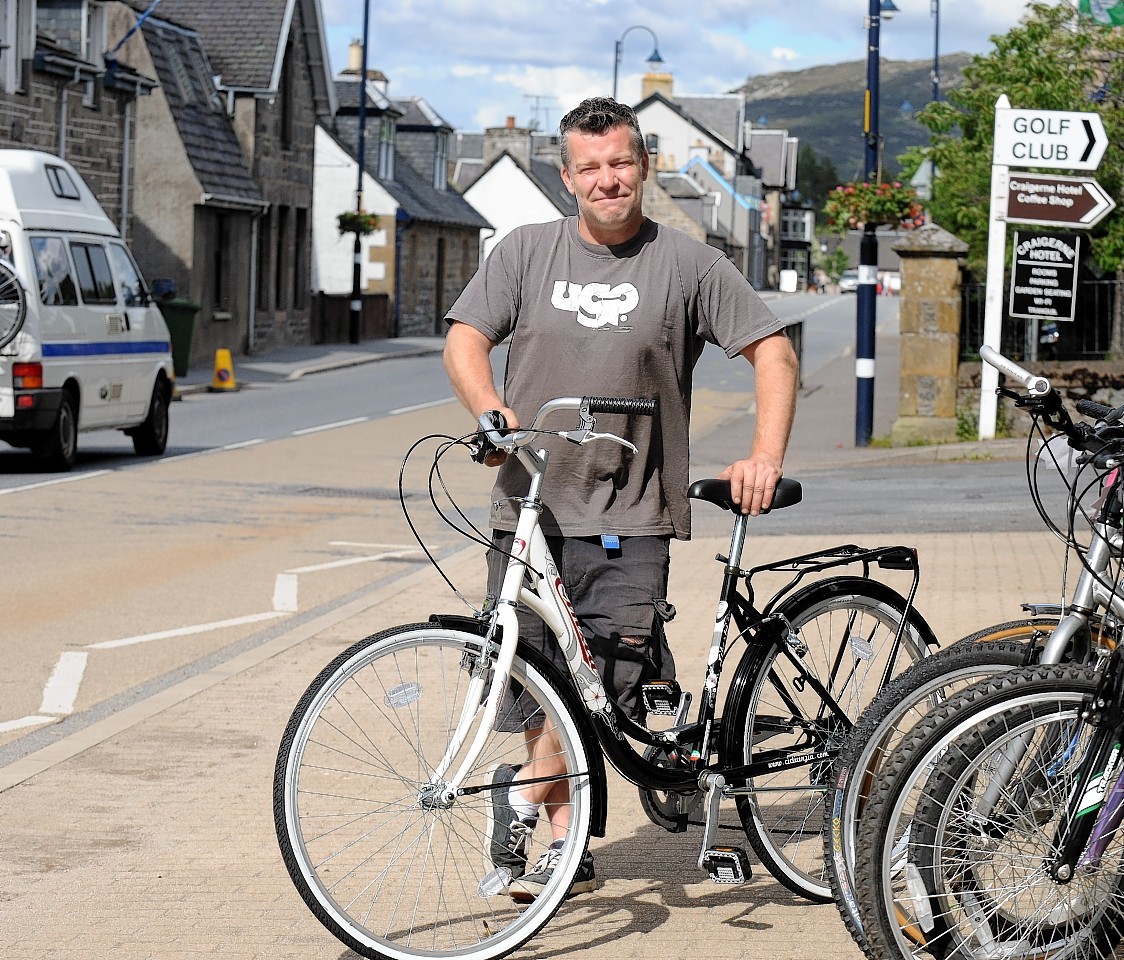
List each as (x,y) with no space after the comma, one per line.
(931,264)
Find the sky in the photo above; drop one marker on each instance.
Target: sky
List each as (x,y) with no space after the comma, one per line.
(477,63)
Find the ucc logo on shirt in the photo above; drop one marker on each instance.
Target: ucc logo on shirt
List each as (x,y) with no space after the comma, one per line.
(596,304)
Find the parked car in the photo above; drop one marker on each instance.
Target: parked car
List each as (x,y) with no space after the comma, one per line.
(849,281)
(94,351)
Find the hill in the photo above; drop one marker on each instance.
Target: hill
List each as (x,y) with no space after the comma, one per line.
(823,106)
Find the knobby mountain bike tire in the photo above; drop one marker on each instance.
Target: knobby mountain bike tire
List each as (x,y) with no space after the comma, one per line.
(845,629)
(386,863)
(983,852)
(902,910)
(891,715)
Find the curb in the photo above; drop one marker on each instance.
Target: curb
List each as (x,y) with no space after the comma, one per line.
(187,389)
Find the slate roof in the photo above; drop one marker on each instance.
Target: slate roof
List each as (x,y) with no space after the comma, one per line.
(695,121)
(197,110)
(720,112)
(347,96)
(415,194)
(242,38)
(245,41)
(417,114)
(548,178)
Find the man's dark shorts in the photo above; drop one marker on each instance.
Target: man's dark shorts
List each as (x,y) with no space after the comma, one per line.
(615,594)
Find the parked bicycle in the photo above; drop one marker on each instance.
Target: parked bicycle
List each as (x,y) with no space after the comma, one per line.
(975,841)
(382,786)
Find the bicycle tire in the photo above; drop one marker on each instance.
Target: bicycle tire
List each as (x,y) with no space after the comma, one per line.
(1001,891)
(391,870)
(894,915)
(13,304)
(890,716)
(782,813)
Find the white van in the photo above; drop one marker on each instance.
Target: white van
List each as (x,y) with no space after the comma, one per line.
(93,351)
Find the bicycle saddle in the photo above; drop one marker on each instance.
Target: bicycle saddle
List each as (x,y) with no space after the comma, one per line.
(788,492)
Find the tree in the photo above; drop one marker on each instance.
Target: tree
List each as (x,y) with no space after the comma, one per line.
(1055,59)
(815,176)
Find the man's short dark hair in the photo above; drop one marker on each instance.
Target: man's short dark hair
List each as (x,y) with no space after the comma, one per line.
(599,115)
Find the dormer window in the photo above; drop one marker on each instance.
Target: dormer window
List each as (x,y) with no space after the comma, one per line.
(387,130)
(441,160)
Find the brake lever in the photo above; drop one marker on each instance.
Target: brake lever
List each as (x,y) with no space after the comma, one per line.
(587,436)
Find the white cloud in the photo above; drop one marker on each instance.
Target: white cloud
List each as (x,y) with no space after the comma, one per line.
(471,64)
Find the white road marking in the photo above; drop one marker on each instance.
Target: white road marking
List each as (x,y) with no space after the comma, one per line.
(51,483)
(24,722)
(329,426)
(420,406)
(185,631)
(62,686)
(244,443)
(351,561)
(285,593)
(370,546)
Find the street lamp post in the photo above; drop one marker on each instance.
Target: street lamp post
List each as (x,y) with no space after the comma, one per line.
(653,59)
(935,9)
(355,310)
(866,307)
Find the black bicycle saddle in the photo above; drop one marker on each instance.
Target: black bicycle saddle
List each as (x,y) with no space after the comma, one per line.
(788,492)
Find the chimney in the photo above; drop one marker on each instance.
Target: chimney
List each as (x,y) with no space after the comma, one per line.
(355,56)
(515,140)
(656,83)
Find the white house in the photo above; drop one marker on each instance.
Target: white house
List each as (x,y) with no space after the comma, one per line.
(334,183)
(509,194)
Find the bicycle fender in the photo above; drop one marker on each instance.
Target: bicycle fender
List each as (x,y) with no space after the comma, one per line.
(598,779)
(875,589)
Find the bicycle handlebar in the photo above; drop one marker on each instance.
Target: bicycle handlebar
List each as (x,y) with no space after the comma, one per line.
(1098,411)
(492,432)
(1035,385)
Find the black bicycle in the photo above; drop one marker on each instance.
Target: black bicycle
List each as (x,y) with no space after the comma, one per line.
(382,790)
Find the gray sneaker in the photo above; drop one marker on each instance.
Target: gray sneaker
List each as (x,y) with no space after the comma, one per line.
(526,889)
(508,834)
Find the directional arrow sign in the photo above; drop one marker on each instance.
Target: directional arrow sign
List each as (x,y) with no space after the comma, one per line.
(1048,138)
(1073,201)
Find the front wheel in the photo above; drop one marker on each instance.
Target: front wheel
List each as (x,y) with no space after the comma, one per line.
(844,632)
(387,861)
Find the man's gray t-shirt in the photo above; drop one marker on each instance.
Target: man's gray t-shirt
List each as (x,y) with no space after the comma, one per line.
(623,321)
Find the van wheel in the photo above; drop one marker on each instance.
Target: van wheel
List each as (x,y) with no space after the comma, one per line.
(58,449)
(151,437)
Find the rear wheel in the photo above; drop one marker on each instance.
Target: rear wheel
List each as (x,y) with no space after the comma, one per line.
(58,448)
(844,634)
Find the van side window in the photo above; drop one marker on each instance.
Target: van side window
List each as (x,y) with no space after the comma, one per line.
(128,277)
(52,270)
(94,277)
(62,184)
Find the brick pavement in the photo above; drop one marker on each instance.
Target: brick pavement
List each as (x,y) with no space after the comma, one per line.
(149,834)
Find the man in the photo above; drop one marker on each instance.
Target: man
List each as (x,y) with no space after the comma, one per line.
(607,303)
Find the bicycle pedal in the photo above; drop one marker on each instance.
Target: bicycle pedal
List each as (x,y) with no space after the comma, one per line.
(726,864)
(661,697)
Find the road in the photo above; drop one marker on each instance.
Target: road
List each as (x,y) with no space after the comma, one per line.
(166,614)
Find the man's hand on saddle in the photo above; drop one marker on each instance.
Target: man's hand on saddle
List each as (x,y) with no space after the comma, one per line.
(753,482)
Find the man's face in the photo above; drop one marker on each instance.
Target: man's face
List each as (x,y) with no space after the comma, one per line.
(607,178)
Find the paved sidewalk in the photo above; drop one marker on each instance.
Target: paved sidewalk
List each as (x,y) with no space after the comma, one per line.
(149,834)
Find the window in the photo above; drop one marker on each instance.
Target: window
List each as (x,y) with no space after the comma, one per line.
(52,271)
(300,264)
(62,183)
(287,95)
(280,260)
(441,161)
(128,277)
(17,42)
(78,26)
(387,130)
(95,279)
(220,261)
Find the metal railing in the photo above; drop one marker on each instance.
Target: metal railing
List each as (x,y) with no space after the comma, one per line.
(1088,337)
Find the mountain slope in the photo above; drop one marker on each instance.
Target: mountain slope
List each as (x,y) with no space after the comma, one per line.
(823,106)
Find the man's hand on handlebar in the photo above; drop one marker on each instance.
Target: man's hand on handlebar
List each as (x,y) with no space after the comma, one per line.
(485,452)
(753,482)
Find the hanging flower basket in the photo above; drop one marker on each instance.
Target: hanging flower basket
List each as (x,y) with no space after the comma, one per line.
(361,223)
(854,206)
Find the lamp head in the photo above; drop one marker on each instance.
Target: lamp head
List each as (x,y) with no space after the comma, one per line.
(889,8)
